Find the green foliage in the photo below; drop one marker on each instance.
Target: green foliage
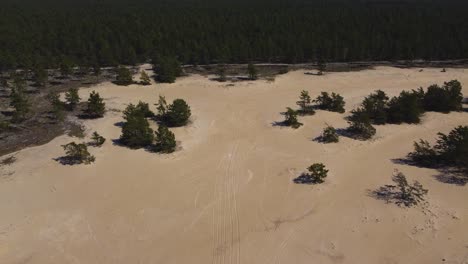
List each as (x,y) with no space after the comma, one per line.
(406,108)
(178,113)
(77,154)
(96,106)
(40,76)
(4,125)
(20,102)
(330,135)
(72,98)
(402,193)
(321,66)
(141,109)
(165,140)
(162,107)
(66,68)
(291,118)
(222,74)
(360,126)
(97,140)
(304,104)
(317,174)
(450,150)
(144,78)
(375,105)
(58,106)
(167,69)
(123,77)
(136,132)
(333,103)
(444,99)
(252,71)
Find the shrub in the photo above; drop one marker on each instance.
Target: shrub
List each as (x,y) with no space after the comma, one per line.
(402,193)
(20,102)
(330,135)
(450,150)
(72,98)
(40,76)
(57,106)
(304,104)
(165,140)
(96,106)
(77,154)
(360,126)
(444,99)
(167,69)
(406,108)
(97,140)
(144,78)
(316,174)
(161,106)
(136,132)
(252,71)
(178,113)
(375,106)
(221,71)
(333,103)
(123,77)
(291,119)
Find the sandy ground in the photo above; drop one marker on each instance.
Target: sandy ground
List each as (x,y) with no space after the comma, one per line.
(227,195)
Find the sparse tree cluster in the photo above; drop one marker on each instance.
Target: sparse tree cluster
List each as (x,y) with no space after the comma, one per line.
(291,118)
(174,115)
(450,150)
(304,104)
(136,131)
(333,102)
(330,135)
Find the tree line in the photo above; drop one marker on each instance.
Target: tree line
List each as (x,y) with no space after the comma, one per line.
(53,34)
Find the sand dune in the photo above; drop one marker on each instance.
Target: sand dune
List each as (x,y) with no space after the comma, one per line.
(227,195)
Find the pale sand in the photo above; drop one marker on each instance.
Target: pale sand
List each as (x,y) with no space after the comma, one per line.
(227,195)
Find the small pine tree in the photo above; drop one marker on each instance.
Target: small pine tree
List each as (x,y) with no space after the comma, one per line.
(66,69)
(304,103)
(97,140)
(58,106)
(165,140)
(136,132)
(423,154)
(360,126)
(321,66)
(252,71)
(162,107)
(222,74)
(77,154)
(20,102)
(167,69)
(291,118)
(124,76)
(40,76)
(96,106)
(72,98)
(316,174)
(144,78)
(402,193)
(178,113)
(333,103)
(330,135)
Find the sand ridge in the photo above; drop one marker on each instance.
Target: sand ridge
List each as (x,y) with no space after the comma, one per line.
(227,195)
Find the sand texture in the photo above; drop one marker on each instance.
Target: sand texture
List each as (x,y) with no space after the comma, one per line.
(227,195)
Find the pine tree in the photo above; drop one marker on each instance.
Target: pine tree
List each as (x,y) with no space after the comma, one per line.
(77,154)
(304,103)
(96,106)
(136,132)
(162,107)
(20,102)
(165,140)
(40,76)
(178,113)
(124,76)
(252,71)
(144,78)
(72,98)
(291,118)
(330,135)
(58,106)
(97,140)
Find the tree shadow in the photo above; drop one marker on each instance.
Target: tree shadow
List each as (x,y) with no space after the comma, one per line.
(69,161)
(385,193)
(279,124)
(446,174)
(119,124)
(305,179)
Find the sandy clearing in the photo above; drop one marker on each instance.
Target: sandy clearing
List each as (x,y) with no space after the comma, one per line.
(227,196)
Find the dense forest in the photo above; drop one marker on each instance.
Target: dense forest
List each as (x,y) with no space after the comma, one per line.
(106,33)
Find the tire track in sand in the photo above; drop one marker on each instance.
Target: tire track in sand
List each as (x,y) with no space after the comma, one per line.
(226,233)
